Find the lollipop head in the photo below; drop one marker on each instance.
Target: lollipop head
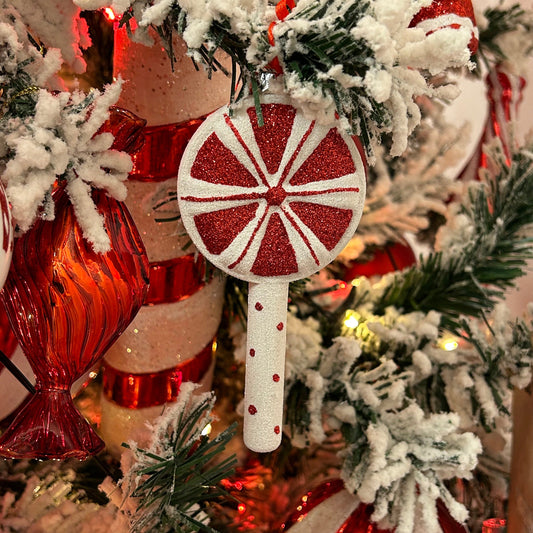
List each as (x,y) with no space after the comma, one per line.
(274,201)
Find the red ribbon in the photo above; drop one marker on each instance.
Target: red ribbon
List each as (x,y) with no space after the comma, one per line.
(175,279)
(505,93)
(135,391)
(160,156)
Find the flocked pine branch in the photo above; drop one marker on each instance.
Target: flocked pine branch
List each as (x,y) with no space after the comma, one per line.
(496,358)
(482,252)
(403,192)
(54,136)
(505,36)
(396,456)
(179,473)
(356,60)
(407,408)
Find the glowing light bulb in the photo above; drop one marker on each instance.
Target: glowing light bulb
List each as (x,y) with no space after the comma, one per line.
(356,282)
(109,14)
(207,429)
(450,344)
(351,322)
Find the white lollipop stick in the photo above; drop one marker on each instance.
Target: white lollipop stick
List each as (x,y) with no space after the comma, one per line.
(265,365)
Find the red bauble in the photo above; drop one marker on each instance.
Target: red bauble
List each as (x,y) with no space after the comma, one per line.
(382,260)
(335,510)
(328,501)
(67,304)
(447,14)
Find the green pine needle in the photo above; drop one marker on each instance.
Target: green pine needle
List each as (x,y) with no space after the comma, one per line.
(500,21)
(181,473)
(18,96)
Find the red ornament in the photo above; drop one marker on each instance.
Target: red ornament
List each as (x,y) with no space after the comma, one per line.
(272,201)
(319,500)
(382,260)
(333,509)
(269,204)
(67,305)
(8,340)
(447,14)
(504,92)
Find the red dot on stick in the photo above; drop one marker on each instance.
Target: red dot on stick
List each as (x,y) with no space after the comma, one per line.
(252,352)
(252,409)
(258,306)
(277,430)
(280,326)
(275,377)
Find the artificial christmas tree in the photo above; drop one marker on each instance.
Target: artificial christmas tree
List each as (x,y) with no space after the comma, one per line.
(400,385)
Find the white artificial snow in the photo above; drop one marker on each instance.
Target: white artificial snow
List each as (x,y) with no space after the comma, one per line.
(303,345)
(445,48)
(58,25)
(60,140)
(389,78)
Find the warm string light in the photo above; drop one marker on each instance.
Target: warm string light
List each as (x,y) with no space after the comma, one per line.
(449,344)
(495,525)
(351,321)
(109,14)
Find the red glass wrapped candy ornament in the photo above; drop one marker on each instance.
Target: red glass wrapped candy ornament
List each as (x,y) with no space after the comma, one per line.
(67,304)
(329,508)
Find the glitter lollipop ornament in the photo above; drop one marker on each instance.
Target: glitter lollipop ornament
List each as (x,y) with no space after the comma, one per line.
(269,204)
